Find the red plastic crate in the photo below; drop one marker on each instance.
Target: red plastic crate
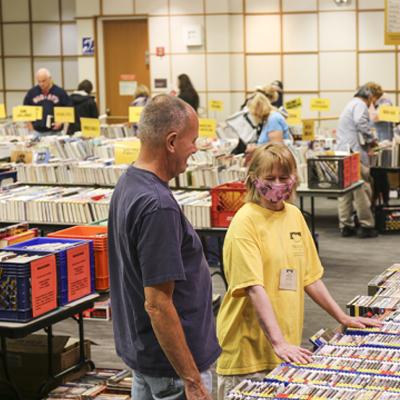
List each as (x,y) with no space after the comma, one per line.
(99,236)
(355,168)
(226,200)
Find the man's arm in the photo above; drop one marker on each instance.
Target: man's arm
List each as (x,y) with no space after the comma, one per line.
(320,295)
(265,313)
(362,121)
(169,332)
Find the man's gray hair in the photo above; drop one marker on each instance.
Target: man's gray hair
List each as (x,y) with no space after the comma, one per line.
(162,115)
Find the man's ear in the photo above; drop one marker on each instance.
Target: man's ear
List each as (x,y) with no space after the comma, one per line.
(170,141)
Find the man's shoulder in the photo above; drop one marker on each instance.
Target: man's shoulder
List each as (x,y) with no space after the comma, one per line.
(57,89)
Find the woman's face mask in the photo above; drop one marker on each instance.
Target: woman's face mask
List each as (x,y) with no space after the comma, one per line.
(274,192)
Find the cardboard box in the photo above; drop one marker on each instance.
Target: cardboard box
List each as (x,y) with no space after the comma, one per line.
(27,360)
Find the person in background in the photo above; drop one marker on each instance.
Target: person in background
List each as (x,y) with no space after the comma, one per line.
(141,96)
(84,104)
(160,281)
(270,260)
(187,92)
(278,86)
(384,131)
(47,95)
(354,134)
(268,91)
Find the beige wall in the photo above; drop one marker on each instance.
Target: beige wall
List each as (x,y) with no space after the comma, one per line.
(315,47)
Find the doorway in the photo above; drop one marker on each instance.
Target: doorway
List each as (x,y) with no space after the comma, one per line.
(126,60)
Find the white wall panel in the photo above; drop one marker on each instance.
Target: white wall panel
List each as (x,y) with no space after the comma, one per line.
(237,71)
(160,69)
(338,71)
(186,7)
(263,33)
(158,33)
(262,70)
(1,77)
(71,74)
(14,99)
(69,39)
(118,7)
(300,72)
(15,10)
(192,65)
(84,29)
(67,10)
(331,5)
(237,99)
(370,4)
(218,33)
(87,69)
(379,67)
(236,32)
(305,108)
(178,25)
(87,8)
(218,72)
(151,7)
(262,6)
(337,30)
(300,32)
(46,39)
(372,31)
(222,6)
(296,5)
(53,65)
(16,40)
(202,110)
(45,10)
(18,73)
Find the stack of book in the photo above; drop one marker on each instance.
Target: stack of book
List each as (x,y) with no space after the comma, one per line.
(115,131)
(16,233)
(196,206)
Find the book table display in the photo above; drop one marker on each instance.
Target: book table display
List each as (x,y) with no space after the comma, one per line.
(16,330)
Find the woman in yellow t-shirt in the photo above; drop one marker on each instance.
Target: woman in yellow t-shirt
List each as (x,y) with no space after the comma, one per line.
(270,260)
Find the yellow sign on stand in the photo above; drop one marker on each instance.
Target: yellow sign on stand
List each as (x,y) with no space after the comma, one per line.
(216,105)
(294,116)
(64,114)
(90,127)
(389,113)
(127,152)
(27,113)
(3,113)
(134,114)
(308,129)
(294,103)
(319,104)
(207,128)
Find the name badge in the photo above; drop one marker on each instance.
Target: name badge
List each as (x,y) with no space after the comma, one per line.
(288,279)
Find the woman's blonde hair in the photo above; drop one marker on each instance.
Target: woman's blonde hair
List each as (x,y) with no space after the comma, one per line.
(141,90)
(259,107)
(263,162)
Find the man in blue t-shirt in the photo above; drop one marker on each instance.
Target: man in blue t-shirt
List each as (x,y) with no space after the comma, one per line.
(160,281)
(47,95)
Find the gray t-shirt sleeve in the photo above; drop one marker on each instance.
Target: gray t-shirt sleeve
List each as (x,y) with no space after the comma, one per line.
(159,247)
(361,119)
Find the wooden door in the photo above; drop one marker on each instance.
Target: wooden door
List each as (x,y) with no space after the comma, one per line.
(125,53)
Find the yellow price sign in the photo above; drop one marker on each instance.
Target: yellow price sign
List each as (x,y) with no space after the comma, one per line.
(294,116)
(90,127)
(308,129)
(216,105)
(389,113)
(27,113)
(64,114)
(134,113)
(319,104)
(207,128)
(127,152)
(3,111)
(294,103)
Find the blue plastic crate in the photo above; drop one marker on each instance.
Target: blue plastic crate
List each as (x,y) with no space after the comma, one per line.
(61,257)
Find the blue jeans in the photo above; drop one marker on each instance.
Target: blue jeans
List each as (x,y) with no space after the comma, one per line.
(146,387)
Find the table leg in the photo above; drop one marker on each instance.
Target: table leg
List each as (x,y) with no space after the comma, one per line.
(49,331)
(8,382)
